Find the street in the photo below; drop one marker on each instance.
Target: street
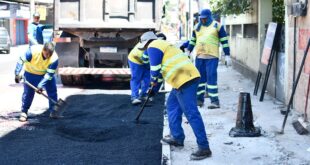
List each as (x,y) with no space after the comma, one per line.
(98,127)
(235,78)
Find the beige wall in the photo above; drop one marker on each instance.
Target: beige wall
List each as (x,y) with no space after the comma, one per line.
(303,25)
(244,50)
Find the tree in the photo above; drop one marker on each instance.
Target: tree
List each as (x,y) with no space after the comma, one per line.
(230,7)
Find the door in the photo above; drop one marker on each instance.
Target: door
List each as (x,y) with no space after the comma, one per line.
(20,32)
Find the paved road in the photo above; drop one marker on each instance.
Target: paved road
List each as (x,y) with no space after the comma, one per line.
(97,127)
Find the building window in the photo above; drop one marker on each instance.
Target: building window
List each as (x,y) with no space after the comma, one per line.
(227,30)
(250,31)
(236,30)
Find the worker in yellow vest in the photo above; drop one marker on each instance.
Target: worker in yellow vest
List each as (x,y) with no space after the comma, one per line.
(169,62)
(140,72)
(40,63)
(206,37)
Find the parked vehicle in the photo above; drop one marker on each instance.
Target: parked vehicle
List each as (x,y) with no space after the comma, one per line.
(97,36)
(5,41)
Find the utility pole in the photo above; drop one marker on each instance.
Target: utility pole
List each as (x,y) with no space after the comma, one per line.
(32,9)
(190,20)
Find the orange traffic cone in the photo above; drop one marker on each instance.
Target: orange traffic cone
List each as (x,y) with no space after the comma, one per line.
(244,122)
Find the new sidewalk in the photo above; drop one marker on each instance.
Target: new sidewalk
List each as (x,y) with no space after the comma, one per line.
(270,148)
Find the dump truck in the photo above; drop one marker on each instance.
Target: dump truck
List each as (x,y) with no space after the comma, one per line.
(96,36)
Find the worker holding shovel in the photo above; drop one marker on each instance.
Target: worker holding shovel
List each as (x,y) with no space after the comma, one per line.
(173,65)
(40,63)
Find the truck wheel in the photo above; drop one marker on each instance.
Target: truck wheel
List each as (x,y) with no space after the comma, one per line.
(66,80)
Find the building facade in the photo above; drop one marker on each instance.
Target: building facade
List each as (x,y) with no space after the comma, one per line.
(14,17)
(247,33)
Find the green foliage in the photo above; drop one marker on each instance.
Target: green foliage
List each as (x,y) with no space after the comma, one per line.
(230,7)
(278,11)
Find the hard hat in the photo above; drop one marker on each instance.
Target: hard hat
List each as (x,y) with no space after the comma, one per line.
(205,13)
(145,38)
(161,36)
(36,14)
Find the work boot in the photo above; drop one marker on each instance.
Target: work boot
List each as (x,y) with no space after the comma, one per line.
(199,103)
(150,99)
(23,117)
(214,106)
(55,115)
(201,154)
(136,102)
(171,141)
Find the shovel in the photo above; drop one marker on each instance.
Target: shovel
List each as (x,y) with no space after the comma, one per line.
(58,103)
(144,104)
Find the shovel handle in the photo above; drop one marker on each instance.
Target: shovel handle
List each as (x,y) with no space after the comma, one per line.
(36,89)
(143,105)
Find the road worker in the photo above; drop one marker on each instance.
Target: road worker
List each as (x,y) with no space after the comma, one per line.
(174,66)
(40,63)
(206,37)
(35,31)
(140,73)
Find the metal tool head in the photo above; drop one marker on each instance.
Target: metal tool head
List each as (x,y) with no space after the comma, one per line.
(60,102)
(59,107)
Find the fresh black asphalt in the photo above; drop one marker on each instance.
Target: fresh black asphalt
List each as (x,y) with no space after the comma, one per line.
(96,129)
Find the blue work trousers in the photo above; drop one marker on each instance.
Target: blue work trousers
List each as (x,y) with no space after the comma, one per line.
(140,78)
(28,94)
(208,72)
(183,100)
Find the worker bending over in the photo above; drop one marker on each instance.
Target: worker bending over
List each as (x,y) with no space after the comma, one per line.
(140,73)
(174,66)
(40,64)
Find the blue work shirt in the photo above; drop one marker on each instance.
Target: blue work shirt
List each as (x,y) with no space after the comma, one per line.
(35,34)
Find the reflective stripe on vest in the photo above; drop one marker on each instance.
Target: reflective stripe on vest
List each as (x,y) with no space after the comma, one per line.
(38,65)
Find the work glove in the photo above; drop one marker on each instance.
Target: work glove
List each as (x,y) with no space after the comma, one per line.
(39,90)
(227,60)
(151,92)
(18,78)
(182,48)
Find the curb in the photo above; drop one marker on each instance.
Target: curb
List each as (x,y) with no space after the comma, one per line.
(166,154)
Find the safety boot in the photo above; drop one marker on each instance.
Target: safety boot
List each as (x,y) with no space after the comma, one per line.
(23,117)
(214,106)
(136,102)
(150,99)
(201,154)
(171,141)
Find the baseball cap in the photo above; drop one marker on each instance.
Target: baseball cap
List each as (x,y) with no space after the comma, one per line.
(145,38)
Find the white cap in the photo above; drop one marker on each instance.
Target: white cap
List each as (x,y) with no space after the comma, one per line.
(146,37)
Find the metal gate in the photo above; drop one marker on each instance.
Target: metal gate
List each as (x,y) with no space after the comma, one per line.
(20,32)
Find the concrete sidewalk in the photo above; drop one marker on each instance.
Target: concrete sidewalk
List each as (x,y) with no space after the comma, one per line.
(270,148)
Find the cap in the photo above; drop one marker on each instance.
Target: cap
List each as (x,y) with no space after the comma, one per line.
(36,14)
(161,36)
(205,13)
(145,38)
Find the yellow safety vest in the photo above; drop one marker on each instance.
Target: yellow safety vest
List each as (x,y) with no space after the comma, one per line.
(38,65)
(176,67)
(135,55)
(207,42)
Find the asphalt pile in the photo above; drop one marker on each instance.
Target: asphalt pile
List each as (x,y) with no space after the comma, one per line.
(97,129)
